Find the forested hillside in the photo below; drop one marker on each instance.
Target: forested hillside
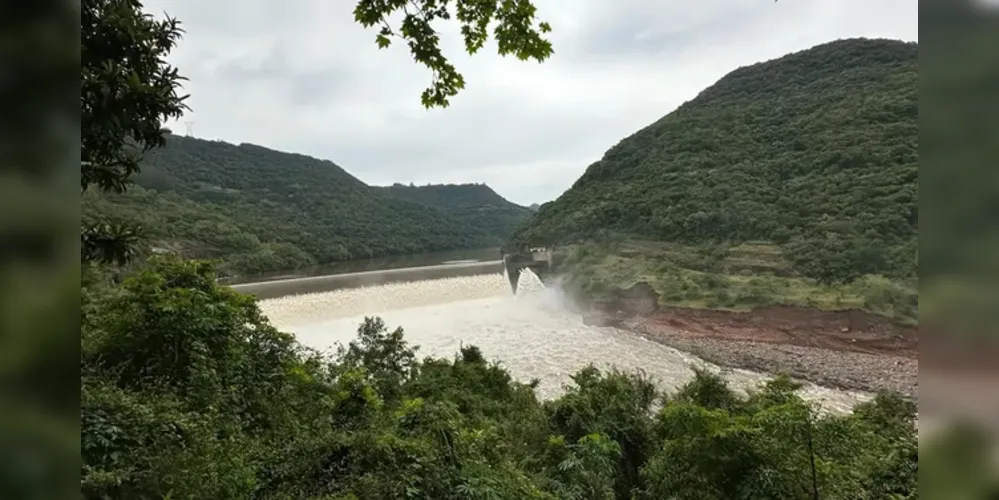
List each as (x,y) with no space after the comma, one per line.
(815,152)
(264,210)
(474,204)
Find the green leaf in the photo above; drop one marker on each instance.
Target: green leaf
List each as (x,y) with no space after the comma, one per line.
(516,33)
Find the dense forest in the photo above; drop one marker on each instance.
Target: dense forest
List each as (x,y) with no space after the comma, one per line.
(188,392)
(263,210)
(815,152)
(476,205)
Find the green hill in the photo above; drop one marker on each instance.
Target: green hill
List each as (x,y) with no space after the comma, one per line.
(815,152)
(262,210)
(792,181)
(474,204)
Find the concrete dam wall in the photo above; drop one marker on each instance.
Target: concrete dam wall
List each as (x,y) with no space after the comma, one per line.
(315,284)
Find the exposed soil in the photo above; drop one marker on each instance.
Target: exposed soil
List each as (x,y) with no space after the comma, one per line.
(844,349)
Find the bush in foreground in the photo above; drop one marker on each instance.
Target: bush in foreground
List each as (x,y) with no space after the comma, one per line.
(189,392)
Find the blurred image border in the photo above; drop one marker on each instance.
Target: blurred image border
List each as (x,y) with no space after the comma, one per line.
(39,267)
(959,247)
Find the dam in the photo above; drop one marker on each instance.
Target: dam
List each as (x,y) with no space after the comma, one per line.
(314,284)
(534,333)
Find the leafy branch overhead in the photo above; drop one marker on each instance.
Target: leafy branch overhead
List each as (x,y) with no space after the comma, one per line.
(128,89)
(515,28)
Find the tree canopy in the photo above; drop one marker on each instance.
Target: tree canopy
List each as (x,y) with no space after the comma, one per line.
(815,151)
(128,89)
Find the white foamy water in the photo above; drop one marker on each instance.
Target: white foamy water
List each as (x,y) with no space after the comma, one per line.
(532,333)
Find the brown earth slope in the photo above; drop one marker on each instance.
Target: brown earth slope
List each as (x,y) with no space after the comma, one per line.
(848,349)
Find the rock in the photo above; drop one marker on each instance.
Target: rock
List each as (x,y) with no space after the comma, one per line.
(639,299)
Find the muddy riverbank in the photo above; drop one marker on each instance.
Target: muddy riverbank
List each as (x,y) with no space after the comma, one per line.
(850,349)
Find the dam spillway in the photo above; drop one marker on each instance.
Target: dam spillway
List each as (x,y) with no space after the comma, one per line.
(533,334)
(539,261)
(314,284)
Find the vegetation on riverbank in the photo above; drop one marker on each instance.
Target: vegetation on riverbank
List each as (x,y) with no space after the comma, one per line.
(187,391)
(814,153)
(261,210)
(738,277)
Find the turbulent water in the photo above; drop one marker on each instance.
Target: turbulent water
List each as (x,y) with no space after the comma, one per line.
(532,333)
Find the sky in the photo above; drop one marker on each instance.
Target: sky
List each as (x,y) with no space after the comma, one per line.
(301,76)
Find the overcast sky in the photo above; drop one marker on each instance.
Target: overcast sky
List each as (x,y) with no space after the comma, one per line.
(300,76)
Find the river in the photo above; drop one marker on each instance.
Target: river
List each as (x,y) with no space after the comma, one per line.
(534,334)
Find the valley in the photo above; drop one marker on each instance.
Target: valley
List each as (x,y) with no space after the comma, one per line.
(723,305)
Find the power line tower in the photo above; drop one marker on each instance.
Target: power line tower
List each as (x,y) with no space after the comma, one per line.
(190,128)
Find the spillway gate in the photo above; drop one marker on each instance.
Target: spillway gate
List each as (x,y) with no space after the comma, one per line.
(539,260)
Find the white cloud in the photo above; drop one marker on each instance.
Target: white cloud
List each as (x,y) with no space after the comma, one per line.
(301,76)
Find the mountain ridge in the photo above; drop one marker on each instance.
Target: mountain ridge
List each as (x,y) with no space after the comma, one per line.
(815,151)
(475,204)
(263,210)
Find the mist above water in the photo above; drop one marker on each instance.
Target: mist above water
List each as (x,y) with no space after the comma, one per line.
(533,334)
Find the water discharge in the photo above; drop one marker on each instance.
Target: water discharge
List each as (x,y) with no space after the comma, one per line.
(533,333)
(528,283)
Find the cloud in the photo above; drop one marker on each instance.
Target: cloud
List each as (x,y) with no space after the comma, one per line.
(301,76)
